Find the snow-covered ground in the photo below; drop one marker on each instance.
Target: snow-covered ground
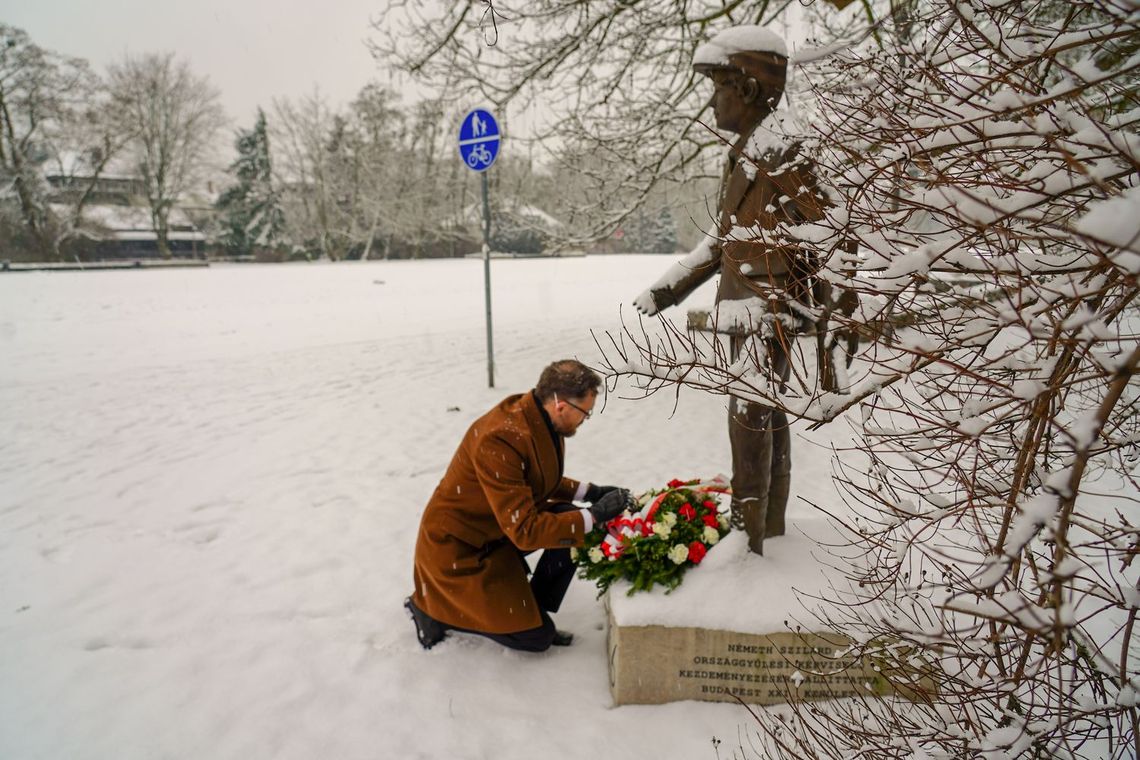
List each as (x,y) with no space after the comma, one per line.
(210,485)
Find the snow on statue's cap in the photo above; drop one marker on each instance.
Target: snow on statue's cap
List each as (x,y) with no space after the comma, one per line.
(753,50)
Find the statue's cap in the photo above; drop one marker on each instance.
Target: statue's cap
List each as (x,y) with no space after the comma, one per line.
(752,50)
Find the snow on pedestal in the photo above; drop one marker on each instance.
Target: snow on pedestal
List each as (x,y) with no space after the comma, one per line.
(735,629)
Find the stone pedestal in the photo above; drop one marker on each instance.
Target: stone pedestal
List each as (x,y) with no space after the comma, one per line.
(655,664)
(735,629)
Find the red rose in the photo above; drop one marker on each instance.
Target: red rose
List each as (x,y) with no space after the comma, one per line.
(676,483)
(710,505)
(697,552)
(687,512)
(710,520)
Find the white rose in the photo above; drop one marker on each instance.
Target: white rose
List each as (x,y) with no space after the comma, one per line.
(661,530)
(722,518)
(670,519)
(679,553)
(574,555)
(595,554)
(710,535)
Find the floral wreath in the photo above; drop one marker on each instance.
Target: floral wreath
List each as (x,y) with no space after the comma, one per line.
(671,531)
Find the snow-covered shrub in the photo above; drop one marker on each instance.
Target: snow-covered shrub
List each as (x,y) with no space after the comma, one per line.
(981,163)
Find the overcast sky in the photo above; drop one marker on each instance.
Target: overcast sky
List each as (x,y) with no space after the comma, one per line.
(251,50)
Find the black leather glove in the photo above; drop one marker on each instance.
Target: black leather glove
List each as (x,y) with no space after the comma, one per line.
(594,492)
(611,505)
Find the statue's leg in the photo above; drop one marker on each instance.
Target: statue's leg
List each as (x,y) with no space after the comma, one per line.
(750,434)
(781,479)
(781,475)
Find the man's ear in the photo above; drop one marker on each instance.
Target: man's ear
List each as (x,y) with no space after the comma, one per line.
(749,90)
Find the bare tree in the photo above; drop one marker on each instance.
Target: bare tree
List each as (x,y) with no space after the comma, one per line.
(300,130)
(81,145)
(984,158)
(380,127)
(374,178)
(615,78)
(42,94)
(172,117)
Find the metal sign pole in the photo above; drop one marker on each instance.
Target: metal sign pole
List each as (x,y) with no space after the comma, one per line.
(479,140)
(487,280)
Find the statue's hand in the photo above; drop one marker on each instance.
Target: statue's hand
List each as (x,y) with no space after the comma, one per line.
(651,302)
(644,303)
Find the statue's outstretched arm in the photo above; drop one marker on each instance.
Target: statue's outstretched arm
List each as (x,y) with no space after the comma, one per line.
(683,277)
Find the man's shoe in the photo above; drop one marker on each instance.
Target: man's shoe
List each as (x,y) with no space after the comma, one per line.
(428,630)
(562,638)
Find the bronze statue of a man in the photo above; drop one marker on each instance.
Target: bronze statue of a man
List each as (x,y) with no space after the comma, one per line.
(765,183)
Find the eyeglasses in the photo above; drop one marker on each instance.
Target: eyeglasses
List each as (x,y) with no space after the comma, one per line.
(586,415)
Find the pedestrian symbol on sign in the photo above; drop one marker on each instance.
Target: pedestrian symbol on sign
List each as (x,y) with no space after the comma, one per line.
(479,140)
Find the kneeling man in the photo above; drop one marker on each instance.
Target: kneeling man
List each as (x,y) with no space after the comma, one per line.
(502,497)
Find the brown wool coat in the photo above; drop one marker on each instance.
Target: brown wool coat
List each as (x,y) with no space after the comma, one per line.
(506,472)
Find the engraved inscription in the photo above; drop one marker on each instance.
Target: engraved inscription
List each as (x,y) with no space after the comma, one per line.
(807,672)
(655,664)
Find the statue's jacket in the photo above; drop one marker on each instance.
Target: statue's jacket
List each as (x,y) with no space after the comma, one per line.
(761,191)
(493,501)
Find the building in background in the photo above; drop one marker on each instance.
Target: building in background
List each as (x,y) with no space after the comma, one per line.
(106,216)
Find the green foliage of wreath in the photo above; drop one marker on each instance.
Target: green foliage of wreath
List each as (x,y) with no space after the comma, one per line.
(672,532)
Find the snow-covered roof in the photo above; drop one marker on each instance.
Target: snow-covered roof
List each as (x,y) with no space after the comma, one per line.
(534,212)
(171,235)
(739,39)
(517,209)
(133,222)
(70,163)
(130,217)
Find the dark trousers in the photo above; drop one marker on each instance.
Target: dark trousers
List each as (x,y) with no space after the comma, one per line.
(549,582)
(761,460)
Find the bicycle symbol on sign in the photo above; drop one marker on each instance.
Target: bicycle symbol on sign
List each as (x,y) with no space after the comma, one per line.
(479,140)
(479,156)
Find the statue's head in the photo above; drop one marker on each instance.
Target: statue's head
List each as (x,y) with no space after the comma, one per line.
(748,66)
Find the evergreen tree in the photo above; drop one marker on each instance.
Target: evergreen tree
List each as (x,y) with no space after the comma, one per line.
(650,232)
(516,233)
(666,232)
(252,216)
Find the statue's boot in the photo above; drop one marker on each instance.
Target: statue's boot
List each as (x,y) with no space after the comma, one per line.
(752,513)
(781,476)
(736,515)
(750,433)
(774,517)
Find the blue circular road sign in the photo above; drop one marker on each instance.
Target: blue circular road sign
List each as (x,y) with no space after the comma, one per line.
(479,140)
